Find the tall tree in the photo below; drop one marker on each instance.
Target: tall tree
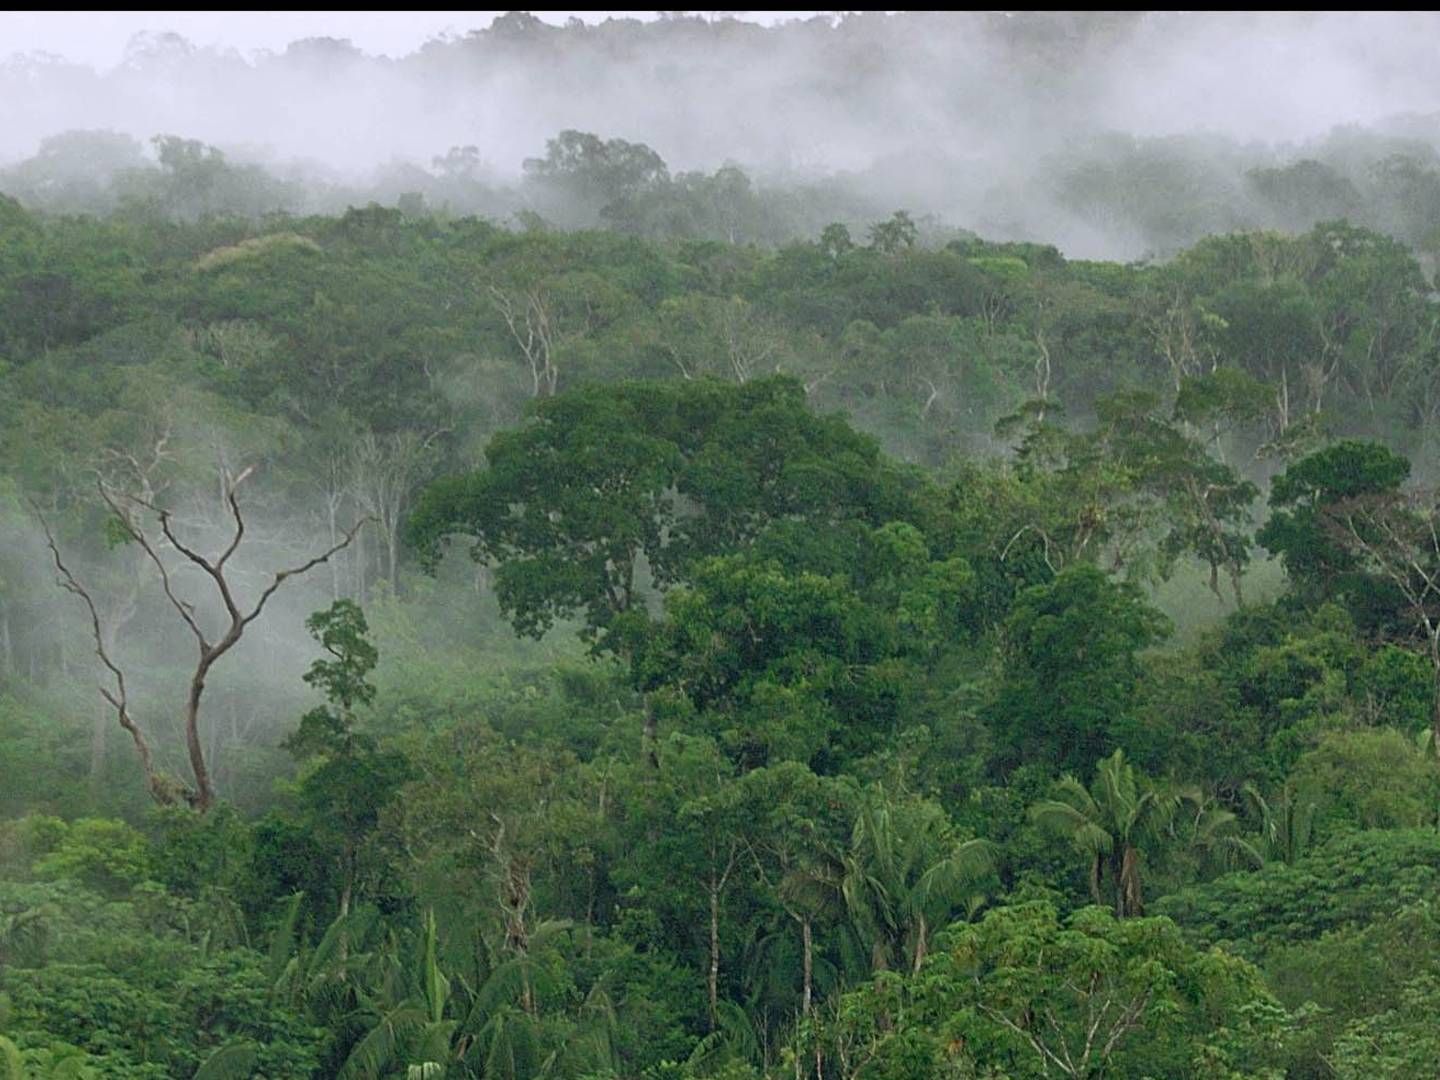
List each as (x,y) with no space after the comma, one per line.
(350,779)
(1312,506)
(613,493)
(237,614)
(1110,824)
(1395,536)
(1070,669)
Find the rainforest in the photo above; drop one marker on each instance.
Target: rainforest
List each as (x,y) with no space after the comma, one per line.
(572,617)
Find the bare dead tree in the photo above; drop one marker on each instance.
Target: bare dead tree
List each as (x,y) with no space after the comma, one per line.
(1177,334)
(749,345)
(528,319)
(1397,536)
(383,473)
(162,788)
(142,472)
(128,508)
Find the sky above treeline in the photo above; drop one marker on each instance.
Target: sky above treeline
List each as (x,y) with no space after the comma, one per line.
(99,38)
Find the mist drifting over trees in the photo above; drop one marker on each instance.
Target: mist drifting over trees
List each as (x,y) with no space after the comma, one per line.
(869,547)
(1083,130)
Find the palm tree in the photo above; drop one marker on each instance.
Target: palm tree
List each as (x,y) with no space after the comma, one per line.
(811,893)
(1214,834)
(1285,824)
(24,932)
(413,1020)
(908,871)
(1108,824)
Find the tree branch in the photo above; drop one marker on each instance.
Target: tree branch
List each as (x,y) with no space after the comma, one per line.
(119,697)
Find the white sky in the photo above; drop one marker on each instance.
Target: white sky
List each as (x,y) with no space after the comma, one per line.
(98,38)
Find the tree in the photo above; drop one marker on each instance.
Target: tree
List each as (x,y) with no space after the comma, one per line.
(1319,558)
(350,780)
(529,319)
(1069,667)
(613,493)
(1394,536)
(689,852)
(780,663)
(1203,504)
(1033,994)
(891,236)
(600,175)
(1370,779)
(798,823)
(908,870)
(1397,1042)
(1109,824)
(1286,821)
(238,615)
(1025,994)
(384,471)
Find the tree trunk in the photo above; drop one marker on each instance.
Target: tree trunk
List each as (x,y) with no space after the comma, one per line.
(347,891)
(807,945)
(1435,696)
(650,736)
(334,563)
(1132,901)
(713,977)
(919,947)
(1117,879)
(360,556)
(392,553)
(203,797)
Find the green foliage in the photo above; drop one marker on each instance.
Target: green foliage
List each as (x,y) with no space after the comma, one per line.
(349,780)
(1022,994)
(140,986)
(1354,880)
(1368,780)
(860,649)
(1317,562)
(1108,824)
(572,503)
(1070,668)
(1397,1042)
(108,856)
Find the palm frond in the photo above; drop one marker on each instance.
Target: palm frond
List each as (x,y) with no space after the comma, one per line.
(12,1066)
(1235,851)
(1065,820)
(510,1048)
(506,986)
(376,1054)
(946,882)
(283,940)
(351,929)
(233,1061)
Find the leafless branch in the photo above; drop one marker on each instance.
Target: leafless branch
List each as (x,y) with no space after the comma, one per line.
(118,698)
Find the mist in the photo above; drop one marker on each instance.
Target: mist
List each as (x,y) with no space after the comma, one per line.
(981,119)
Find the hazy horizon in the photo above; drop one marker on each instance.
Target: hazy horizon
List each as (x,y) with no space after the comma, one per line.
(953,114)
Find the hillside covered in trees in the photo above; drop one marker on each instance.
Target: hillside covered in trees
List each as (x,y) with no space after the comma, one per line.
(613,623)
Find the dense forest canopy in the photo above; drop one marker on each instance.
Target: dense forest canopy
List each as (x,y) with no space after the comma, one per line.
(602,620)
